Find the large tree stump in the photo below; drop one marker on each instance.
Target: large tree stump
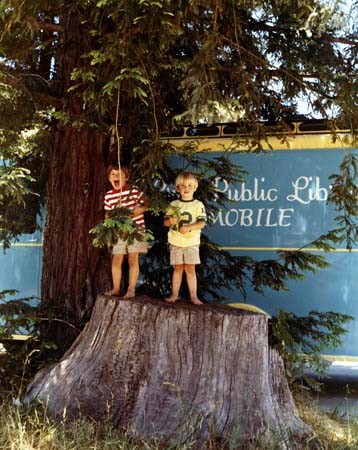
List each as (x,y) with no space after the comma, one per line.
(177,372)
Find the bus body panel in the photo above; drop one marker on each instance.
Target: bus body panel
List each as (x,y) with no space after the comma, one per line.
(283,206)
(21,267)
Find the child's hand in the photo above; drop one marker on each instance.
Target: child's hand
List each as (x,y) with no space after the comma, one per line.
(184,229)
(173,220)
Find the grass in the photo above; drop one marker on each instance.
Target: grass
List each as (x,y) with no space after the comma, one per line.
(29,428)
(333,431)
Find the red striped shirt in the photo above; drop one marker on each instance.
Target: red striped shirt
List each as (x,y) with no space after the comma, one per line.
(127,197)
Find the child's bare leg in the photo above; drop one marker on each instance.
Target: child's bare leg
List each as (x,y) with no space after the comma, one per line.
(133,263)
(117,261)
(192,283)
(176,283)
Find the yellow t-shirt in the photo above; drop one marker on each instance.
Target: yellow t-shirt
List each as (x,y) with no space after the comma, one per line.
(190,212)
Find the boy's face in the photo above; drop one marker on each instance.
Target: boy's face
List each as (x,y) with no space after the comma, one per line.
(117,178)
(186,189)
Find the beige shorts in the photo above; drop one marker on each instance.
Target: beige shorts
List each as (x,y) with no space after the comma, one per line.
(184,255)
(122,247)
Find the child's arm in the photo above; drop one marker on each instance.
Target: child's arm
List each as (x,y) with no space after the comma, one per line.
(198,225)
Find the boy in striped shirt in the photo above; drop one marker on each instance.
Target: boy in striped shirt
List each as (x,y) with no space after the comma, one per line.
(132,198)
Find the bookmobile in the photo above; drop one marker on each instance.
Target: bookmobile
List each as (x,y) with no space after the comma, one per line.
(282,205)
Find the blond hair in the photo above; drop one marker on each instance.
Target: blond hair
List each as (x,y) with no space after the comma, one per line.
(186,176)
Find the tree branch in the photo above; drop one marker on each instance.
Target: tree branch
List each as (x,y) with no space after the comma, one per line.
(48,26)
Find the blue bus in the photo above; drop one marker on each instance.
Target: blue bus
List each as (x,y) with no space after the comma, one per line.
(282,205)
(21,266)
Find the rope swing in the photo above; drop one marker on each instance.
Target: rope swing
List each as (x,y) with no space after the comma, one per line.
(119,139)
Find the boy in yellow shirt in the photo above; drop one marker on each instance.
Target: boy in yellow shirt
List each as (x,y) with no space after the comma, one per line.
(185,218)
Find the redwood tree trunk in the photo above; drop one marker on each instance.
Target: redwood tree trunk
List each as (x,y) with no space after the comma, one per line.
(73,270)
(176,372)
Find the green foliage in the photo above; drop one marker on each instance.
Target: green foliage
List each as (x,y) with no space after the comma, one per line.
(289,265)
(344,195)
(151,163)
(118,224)
(151,167)
(222,269)
(238,273)
(301,340)
(23,159)
(15,218)
(24,334)
(191,60)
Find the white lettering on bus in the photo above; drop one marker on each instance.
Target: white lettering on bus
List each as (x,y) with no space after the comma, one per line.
(263,217)
(245,193)
(307,189)
(162,186)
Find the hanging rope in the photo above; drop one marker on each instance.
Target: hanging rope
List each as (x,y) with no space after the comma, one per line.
(119,139)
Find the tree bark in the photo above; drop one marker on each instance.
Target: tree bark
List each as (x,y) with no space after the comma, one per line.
(74,272)
(176,372)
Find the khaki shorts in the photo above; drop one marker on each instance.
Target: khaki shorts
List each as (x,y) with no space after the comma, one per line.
(122,247)
(184,255)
